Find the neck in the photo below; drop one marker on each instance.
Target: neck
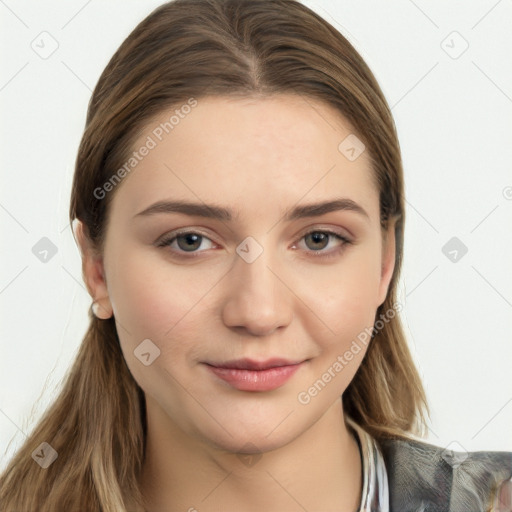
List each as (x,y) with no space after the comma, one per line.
(319,470)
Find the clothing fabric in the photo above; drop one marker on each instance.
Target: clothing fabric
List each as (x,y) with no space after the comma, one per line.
(375,494)
(404,475)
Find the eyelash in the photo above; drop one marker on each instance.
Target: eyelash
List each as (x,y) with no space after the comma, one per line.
(167,240)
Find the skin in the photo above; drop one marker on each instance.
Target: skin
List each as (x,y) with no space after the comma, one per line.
(260,157)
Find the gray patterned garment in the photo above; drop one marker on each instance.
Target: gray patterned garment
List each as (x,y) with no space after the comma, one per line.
(402,475)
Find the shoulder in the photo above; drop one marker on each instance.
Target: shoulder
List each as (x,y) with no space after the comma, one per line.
(428,478)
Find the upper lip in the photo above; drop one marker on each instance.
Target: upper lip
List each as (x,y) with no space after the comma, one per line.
(250,364)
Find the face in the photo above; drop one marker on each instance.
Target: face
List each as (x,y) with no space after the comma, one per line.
(249,302)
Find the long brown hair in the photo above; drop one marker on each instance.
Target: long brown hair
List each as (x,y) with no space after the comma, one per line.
(190,49)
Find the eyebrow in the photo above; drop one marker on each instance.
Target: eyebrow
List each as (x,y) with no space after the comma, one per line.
(212,211)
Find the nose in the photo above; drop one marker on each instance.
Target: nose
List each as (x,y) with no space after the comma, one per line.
(257,300)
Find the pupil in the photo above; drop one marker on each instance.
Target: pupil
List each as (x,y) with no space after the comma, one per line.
(319,238)
(190,238)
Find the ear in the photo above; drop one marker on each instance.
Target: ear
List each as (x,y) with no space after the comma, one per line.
(388,260)
(93,272)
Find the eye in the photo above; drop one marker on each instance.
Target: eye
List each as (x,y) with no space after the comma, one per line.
(319,239)
(316,241)
(185,242)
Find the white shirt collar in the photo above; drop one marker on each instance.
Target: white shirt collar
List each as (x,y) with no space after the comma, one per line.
(375,495)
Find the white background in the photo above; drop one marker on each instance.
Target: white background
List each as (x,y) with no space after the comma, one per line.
(455,127)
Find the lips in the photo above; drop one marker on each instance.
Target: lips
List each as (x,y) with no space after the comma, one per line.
(251,375)
(250,364)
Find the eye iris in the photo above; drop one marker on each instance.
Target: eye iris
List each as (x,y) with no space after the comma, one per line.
(318,237)
(190,238)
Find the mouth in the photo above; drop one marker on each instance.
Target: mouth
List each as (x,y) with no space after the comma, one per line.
(250,375)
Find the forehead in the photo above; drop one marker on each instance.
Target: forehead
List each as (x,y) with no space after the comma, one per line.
(251,153)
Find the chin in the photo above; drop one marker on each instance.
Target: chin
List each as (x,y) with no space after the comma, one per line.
(250,441)
(254,429)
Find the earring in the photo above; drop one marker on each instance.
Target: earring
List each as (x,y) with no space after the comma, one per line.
(100,312)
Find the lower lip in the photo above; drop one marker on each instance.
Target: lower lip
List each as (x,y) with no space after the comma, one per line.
(256,380)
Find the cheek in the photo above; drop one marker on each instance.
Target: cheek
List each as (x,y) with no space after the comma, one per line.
(152,297)
(345,300)
(155,300)
(345,297)
(349,313)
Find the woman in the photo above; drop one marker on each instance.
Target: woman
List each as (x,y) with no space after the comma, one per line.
(238,202)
